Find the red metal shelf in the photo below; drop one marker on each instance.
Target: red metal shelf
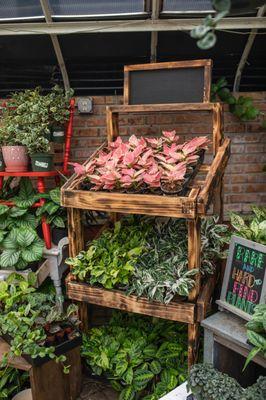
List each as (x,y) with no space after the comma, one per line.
(31,174)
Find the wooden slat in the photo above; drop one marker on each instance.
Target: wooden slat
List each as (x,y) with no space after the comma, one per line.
(168,206)
(16,362)
(168,65)
(214,175)
(175,311)
(205,297)
(194,247)
(161,107)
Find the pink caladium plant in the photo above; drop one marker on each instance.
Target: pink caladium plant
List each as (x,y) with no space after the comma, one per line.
(142,163)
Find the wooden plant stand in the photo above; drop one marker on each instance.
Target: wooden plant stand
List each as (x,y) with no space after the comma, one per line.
(192,206)
(48,382)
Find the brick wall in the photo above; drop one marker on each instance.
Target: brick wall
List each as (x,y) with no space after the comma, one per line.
(245,181)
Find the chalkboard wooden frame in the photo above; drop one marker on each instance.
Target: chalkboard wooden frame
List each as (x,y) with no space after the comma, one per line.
(206,65)
(222,302)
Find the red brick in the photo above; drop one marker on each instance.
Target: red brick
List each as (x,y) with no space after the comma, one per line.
(256,148)
(96,121)
(86,132)
(237,148)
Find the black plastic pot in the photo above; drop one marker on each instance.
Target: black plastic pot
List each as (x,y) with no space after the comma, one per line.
(60,349)
(42,162)
(58,234)
(2,164)
(58,134)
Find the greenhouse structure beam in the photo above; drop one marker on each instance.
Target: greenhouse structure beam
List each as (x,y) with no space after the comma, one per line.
(148,25)
(60,59)
(156,6)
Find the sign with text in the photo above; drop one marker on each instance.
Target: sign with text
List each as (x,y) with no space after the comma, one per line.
(244,284)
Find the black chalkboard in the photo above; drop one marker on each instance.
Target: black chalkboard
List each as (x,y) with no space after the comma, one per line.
(163,86)
(244,284)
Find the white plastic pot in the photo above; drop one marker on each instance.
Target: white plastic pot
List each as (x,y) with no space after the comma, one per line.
(24,395)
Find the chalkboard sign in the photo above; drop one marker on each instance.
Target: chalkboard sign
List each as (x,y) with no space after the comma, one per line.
(244,284)
(165,83)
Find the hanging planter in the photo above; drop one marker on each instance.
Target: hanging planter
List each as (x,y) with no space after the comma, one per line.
(58,134)
(42,162)
(15,158)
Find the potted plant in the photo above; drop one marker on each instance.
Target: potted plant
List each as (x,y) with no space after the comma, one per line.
(38,149)
(55,215)
(14,152)
(25,321)
(21,249)
(58,112)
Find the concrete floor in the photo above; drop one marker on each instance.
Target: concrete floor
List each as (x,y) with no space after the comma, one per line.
(97,390)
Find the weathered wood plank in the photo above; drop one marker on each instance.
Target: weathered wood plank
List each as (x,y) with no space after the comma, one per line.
(205,297)
(146,108)
(175,311)
(168,206)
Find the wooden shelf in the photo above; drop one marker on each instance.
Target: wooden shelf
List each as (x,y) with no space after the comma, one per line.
(181,311)
(195,203)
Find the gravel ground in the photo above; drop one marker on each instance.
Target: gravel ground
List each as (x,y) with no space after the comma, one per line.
(96,390)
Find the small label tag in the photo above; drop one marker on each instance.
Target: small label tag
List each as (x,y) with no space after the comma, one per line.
(41,164)
(58,133)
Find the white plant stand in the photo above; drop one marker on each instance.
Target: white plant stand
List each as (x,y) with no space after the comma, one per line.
(57,267)
(179,393)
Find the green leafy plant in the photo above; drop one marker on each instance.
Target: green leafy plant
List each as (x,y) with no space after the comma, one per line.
(142,357)
(20,247)
(54,213)
(162,271)
(11,382)
(59,105)
(32,321)
(110,259)
(256,332)
(206,383)
(242,107)
(253,228)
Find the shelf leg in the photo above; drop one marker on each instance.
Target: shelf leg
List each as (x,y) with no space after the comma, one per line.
(1,182)
(45,227)
(193,343)
(218,200)
(194,247)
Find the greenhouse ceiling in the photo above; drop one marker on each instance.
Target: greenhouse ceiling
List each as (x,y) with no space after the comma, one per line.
(80,42)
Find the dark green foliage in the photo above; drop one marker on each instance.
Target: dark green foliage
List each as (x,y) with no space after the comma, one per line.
(140,356)
(11,382)
(242,107)
(256,332)
(206,383)
(54,213)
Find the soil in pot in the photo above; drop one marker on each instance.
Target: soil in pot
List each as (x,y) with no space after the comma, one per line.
(58,234)
(15,158)
(58,134)
(42,162)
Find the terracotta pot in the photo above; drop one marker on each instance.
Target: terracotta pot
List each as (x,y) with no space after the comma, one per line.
(16,158)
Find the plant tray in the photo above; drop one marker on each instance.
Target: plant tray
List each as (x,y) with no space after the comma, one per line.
(196,201)
(59,349)
(42,273)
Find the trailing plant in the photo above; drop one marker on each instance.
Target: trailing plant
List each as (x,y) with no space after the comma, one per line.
(143,164)
(32,321)
(206,383)
(162,271)
(142,357)
(256,332)
(20,247)
(242,107)
(110,259)
(11,382)
(253,228)
(54,213)
(205,33)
